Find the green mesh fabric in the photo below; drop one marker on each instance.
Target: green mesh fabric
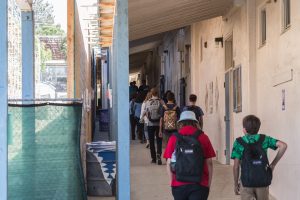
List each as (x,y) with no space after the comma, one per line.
(44,152)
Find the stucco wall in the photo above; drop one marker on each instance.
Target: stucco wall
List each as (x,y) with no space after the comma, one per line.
(262,68)
(176,66)
(275,59)
(211,69)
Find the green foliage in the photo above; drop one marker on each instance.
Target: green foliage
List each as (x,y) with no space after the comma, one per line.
(50,30)
(43,12)
(46,55)
(45,26)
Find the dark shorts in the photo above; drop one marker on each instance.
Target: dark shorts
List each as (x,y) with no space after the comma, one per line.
(190,192)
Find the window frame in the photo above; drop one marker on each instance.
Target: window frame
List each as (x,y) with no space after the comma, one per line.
(237,89)
(286,15)
(262,26)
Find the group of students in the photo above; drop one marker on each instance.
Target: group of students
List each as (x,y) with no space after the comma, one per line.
(189,152)
(156,119)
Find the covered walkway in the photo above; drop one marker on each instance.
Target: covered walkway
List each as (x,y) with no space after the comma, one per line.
(232,54)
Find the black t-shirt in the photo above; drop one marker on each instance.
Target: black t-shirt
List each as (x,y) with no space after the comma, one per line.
(196,109)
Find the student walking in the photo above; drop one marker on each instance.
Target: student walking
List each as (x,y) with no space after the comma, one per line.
(144,119)
(250,153)
(189,156)
(131,117)
(137,107)
(170,114)
(153,107)
(196,109)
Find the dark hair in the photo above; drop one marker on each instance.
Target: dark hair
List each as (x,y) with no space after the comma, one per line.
(140,97)
(252,124)
(154,92)
(184,123)
(133,96)
(193,98)
(171,97)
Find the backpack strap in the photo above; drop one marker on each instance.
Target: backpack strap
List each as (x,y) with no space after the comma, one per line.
(242,142)
(197,133)
(165,107)
(177,135)
(174,108)
(261,139)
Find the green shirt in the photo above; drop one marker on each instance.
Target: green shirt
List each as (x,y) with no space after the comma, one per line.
(238,149)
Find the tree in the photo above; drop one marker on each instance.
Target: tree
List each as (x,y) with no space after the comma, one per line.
(46,55)
(43,12)
(48,30)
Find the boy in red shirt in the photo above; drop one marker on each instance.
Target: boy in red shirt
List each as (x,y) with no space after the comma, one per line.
(188,125)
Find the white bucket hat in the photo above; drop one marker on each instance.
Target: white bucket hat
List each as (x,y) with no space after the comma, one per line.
(187,115)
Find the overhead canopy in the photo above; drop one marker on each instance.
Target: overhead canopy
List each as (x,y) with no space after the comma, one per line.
(150,17)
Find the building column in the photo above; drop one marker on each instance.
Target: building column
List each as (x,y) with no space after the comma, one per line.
(28,75)
(3,98)
(120,79)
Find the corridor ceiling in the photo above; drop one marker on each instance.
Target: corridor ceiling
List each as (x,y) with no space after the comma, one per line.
(150,17)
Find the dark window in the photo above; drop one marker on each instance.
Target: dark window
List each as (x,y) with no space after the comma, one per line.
(237,89)
(286,14)
(263,26)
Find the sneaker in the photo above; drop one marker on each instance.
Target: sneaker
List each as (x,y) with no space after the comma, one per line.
(158,158)
(159,162)
(147,146)
(153,161)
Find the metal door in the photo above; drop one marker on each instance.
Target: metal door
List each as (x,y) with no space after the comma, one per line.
(227,116)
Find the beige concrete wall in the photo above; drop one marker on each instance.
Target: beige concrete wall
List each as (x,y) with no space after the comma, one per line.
(211,69)
(262,68)
(274,62)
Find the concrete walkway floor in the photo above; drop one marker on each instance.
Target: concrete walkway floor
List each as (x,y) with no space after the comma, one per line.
(150,181)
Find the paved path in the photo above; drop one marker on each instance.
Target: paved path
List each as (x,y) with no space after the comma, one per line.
(150,182)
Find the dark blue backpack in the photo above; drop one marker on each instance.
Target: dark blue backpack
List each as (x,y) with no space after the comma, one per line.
(255,169)
(189,158)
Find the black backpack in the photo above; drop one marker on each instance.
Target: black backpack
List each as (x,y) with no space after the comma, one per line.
(189,158)
(256,171)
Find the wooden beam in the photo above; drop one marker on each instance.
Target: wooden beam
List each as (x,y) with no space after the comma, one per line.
(103,28)
(106,4)
(106,36)
(105,18)
(70,49)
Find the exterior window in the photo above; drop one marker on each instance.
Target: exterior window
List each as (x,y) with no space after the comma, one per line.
(263,26)
(286,14)
(237,89)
